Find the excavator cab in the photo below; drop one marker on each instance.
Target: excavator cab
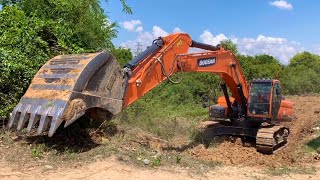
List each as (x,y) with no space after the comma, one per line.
(260,98)
(266,102)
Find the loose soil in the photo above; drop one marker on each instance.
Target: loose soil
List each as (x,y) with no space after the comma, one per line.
(232,151)
(118,152)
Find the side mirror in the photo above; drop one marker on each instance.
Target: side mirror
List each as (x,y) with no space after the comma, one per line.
(205,101)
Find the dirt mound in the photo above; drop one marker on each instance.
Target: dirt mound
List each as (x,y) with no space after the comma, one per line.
(233,152)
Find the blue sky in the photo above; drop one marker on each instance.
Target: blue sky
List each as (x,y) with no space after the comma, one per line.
(277,27)
(280,28)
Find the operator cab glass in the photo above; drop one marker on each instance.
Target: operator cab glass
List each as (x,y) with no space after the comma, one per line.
(260,98)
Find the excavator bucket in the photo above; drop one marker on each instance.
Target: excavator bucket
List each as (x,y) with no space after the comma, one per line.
(65,88)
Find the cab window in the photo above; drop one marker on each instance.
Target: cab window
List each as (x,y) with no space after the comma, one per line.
(260,98)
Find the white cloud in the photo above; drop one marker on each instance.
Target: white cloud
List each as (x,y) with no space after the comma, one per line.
(278,47)
(139,29)
(132,26)
(275,46)
(209,38)
(145,38)
(177,30)
(158,31)
(281,4)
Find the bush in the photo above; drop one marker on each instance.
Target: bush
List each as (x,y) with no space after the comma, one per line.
(33,31)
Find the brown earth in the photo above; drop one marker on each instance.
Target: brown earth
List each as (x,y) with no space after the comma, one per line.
(111,168)
(236,159)
(234,153)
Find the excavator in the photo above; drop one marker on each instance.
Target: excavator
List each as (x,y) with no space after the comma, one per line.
(69,86)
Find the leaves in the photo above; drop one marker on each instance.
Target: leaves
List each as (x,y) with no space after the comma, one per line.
(33,31)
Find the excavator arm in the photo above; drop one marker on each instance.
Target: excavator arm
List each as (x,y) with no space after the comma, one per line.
(169,55)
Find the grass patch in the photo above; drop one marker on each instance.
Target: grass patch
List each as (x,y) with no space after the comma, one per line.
(286,170)
(313,145)
(166,121)
(37,151)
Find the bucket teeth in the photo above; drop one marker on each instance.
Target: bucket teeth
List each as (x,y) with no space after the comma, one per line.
(14,116)
(32,122)
(44,121)
(29,113)
(23,118)
(55,123)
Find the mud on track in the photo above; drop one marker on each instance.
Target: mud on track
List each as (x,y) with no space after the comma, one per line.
(232,152)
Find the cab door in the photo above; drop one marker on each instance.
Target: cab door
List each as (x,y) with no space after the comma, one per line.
(276,99)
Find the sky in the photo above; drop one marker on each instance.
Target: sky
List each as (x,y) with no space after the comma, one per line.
(280,28)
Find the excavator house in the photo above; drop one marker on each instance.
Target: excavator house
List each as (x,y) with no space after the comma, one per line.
(69,86)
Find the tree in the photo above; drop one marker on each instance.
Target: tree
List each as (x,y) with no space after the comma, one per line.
(33,31)
(301,76)
(229,45)
(260,66)
(22,52)
(123,55)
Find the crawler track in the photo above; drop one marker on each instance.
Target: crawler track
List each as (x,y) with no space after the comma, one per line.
(270,139)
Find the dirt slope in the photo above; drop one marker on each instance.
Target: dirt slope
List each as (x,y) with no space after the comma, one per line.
(234,153)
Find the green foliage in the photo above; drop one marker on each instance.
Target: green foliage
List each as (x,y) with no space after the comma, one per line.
(33,31)
(22,52)
(260,66)
(178,159)
(156,161)
(301,76)
(73,25)
(229,45)
(122,55)
(38,151)
(313,145)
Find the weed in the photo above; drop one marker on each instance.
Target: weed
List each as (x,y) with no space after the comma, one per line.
(156,161)
(38,151)
(285,170)
(313,145)
(178,159)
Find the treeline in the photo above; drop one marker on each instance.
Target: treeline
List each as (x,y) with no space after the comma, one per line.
(300,76)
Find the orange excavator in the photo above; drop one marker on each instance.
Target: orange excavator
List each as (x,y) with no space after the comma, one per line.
(68,86)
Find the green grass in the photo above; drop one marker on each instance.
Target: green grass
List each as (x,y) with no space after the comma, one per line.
(38,150)
(313,145)
(166,121)
(286,170)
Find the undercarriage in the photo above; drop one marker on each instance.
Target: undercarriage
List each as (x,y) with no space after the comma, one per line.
(269,138)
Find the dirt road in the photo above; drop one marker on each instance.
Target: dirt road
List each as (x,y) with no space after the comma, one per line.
(113,169)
